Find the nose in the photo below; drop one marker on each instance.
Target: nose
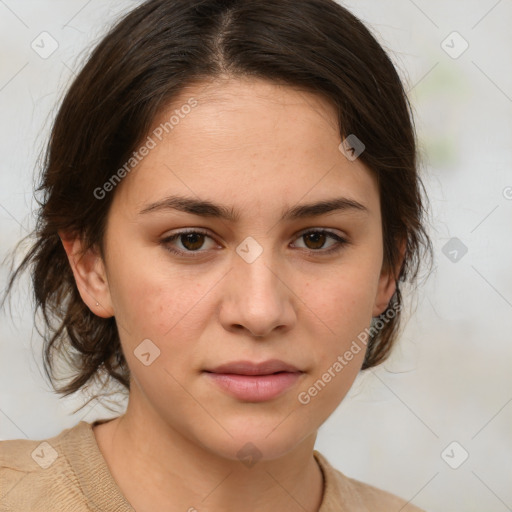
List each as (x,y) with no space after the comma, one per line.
(257,298)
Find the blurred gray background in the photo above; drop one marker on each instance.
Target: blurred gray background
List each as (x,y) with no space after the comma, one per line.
(433,424)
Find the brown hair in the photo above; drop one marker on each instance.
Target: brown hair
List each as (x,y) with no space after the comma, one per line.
(137,69)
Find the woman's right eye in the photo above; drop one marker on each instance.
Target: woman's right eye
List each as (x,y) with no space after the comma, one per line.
(191,242)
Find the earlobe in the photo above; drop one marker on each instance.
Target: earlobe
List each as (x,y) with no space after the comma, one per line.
(387,287)
(387,284)
(90,275)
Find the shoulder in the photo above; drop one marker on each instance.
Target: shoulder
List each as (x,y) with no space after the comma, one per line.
(35,474)
(377,499)
(343,492)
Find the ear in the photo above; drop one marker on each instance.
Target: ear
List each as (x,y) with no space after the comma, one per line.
(387,283)
(90,275)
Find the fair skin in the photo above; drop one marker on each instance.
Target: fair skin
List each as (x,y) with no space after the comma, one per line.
(259,149)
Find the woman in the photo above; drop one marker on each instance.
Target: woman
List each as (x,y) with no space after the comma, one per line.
(231,202)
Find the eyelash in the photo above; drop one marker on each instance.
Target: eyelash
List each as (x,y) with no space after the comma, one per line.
(341,242)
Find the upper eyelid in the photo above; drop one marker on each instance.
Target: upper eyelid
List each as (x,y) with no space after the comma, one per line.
(205,231)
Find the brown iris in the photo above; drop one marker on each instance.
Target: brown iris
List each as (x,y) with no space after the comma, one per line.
(317,238)
(192,241)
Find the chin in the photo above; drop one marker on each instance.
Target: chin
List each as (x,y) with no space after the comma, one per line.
(256,439)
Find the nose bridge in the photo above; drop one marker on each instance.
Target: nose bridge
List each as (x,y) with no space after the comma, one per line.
(253,267)
(258,297)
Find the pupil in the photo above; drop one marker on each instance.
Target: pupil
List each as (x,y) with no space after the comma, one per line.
(316,238)
(192,240)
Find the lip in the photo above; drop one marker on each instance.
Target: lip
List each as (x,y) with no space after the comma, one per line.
(249,368)
(255,382)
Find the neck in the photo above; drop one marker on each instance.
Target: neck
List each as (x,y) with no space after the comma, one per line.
(159,468)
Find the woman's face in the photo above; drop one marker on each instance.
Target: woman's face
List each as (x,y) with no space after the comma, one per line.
(251,285)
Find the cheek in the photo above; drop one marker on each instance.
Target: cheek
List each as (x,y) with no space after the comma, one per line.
(338,352)
(343,305)
(153,300)
(344,301)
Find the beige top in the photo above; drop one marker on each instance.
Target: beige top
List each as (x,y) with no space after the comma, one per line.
(68,473)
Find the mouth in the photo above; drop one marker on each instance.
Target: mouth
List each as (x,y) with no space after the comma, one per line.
(255,382)
(268,367)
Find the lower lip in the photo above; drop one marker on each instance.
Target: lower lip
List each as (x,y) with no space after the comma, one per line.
(255,388)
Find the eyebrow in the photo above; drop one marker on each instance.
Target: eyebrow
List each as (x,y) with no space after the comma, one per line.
(206,208)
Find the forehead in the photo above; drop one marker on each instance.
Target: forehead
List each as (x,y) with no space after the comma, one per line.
(247,141)
(244,112)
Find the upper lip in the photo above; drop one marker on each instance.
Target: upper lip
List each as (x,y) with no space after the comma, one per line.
(249,368)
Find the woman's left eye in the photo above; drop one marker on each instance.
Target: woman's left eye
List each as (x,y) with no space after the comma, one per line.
(317,238)
(192,241)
